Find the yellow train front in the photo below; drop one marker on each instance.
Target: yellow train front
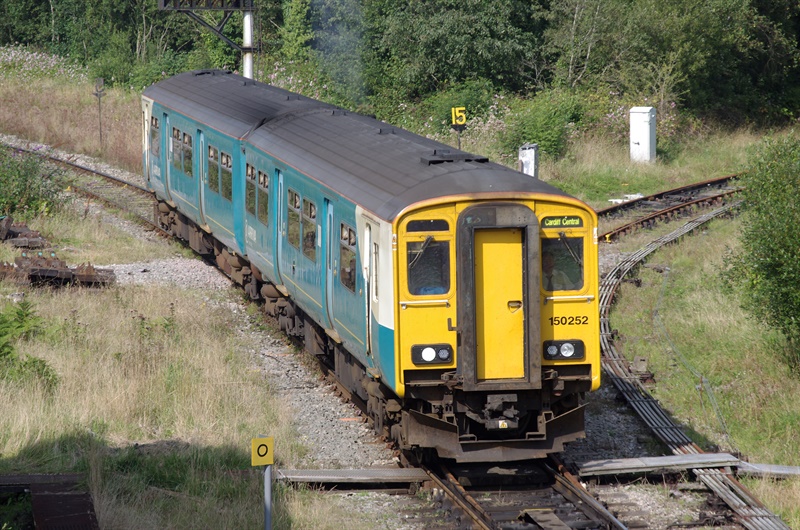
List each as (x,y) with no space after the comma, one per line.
(497,328)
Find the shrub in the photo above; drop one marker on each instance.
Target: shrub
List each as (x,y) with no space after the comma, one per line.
(21,322)
(768,264)
(28,185)
(476,96)
(547,120)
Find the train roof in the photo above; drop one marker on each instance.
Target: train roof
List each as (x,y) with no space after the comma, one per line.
(383,168)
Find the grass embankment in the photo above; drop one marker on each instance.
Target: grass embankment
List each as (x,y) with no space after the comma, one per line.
(706,353)
(155,397)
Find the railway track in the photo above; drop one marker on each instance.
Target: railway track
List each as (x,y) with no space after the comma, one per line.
(750,512)
(564,503)
(646,212)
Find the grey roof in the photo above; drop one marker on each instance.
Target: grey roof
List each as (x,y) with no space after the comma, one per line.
(383,168)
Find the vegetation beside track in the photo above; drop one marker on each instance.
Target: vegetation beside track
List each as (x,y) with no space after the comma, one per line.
(155,395)
(717,371)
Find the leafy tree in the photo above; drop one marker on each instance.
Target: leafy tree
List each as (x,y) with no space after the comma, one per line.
(296,33)
(415,48)
(768,264)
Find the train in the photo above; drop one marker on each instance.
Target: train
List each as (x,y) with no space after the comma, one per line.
(455,297)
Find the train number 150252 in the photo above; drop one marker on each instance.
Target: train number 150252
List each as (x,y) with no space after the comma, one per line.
(569,321)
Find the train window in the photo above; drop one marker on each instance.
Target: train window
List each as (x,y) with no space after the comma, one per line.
(375,255)
(177,149)
(226,172)
(562,263)
(293,217)
(263,197)
(347,257)
(187,154)
(155,137)
(428,225)
(428,266)
(213,169)
(250,189)
(309,227)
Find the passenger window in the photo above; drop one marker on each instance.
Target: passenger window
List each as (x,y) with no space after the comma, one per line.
(375,263)
(213,169)
(226,170)
(562,263)
(309,229)
(187,154)
(263,197)
(155,137)
(347,257)
(177,149)
(293,217)
(250,189)
(428,266)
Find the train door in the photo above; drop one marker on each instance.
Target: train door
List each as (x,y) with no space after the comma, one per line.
(166,165)
(498,304)
(499,307)
(366,256)
(280,226)
(330,241)
(202,169)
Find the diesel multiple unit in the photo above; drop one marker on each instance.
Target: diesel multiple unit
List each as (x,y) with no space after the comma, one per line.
(456,297)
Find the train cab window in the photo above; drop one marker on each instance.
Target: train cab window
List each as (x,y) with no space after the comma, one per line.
(263,197)
(187,154)
(347,257)
(428,266)
(293,219)
(309,226)
(155,137)
(213,169)
(428,225)
(562,263)
(226,172)
(250,189)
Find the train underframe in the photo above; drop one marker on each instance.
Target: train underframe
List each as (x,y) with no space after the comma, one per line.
(437,416)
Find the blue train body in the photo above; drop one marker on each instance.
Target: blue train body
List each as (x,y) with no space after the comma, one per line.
(333,220)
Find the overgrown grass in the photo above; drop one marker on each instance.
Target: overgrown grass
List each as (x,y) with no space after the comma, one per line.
(696,337)
(156,397)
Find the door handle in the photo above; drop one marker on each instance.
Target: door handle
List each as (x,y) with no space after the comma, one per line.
(514,305)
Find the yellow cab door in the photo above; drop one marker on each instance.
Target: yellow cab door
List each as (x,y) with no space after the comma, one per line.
(499,307)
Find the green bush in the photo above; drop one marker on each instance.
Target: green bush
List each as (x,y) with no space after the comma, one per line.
(28,185)
(475,96)
(18,323)
(547,120)
(768,264)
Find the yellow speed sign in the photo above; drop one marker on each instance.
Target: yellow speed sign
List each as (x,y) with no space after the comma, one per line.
(261,453)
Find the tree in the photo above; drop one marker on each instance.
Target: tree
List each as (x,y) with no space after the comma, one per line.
(768,264)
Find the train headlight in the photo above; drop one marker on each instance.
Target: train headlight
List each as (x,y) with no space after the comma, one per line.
(432,354)
(562,350)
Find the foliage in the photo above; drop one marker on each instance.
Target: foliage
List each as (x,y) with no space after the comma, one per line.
(419,47)
(17,323)
(28,186)
(768,264)
(296,32)
(546,120)
(31,65)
